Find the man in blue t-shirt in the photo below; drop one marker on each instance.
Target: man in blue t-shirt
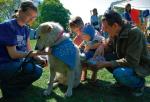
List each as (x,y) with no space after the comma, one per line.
(15,47)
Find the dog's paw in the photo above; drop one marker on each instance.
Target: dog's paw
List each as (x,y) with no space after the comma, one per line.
(68,94)
(46,93)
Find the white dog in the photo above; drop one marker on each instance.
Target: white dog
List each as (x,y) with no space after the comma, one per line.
(64,59)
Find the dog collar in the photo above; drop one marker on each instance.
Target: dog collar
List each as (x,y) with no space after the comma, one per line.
(59,36)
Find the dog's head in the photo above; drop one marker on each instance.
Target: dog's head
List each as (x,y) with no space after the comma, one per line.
(48,33)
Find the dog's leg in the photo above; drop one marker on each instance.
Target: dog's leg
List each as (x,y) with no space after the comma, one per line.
(55,82)
(77,78)
(50,84)
(70,83)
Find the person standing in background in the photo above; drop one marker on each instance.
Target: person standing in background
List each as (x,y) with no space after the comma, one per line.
(95,22)
(127,13)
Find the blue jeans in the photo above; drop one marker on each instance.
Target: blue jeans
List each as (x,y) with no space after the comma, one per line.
(127,77)
(14,80)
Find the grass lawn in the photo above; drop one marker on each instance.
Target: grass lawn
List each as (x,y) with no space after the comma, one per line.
(85,92)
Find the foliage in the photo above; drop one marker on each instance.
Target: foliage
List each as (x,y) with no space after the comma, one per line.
(7,8)
(53,10)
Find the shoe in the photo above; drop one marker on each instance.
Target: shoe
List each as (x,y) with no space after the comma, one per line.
(138,91)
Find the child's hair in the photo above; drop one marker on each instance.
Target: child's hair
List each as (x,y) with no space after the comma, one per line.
(76,22)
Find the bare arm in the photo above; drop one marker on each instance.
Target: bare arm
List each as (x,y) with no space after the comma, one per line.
(14,54)
(28,44)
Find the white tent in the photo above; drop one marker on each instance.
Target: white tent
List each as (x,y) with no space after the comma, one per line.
(136,4)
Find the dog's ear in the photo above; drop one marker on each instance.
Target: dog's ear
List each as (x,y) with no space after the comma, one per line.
(46,28)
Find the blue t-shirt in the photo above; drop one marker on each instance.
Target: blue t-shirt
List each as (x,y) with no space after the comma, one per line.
(95,21)
(127,16)
(12,34)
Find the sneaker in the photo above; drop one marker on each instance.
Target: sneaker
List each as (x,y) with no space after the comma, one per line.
(138,91)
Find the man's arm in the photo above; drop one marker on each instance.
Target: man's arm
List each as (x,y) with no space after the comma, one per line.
(133,50)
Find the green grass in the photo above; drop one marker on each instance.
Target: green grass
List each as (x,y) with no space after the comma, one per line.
(84,93)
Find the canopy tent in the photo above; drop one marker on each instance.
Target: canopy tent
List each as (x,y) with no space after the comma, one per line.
(136,4)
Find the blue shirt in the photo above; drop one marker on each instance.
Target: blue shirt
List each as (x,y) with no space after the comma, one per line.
(12,34)
(95,21)
(127,16)
(94,18)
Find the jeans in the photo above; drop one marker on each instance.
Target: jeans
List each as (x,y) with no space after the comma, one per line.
(124,75)
(14,80)
(127,77)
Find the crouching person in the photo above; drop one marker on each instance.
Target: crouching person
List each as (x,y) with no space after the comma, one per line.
(130,61)
(16,74)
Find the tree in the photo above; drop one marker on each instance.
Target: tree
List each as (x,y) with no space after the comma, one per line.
(7,8)
(53,10)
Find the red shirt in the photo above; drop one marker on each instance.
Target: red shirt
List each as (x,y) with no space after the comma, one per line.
(78,40)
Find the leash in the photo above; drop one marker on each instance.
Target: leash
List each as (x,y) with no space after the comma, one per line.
(27,56)
(58,37)
(25,60)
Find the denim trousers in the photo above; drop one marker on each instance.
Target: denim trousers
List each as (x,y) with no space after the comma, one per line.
(127,77)
(14,79)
